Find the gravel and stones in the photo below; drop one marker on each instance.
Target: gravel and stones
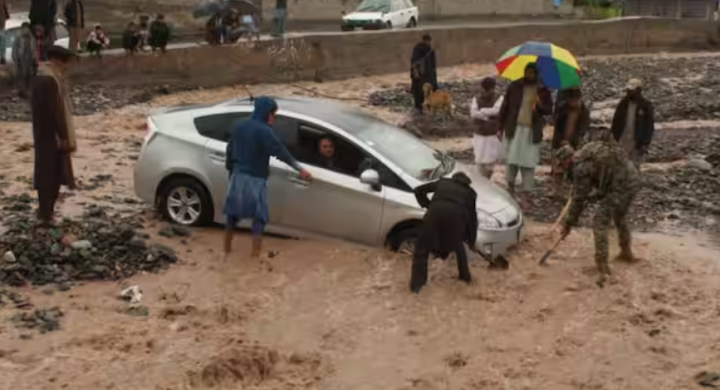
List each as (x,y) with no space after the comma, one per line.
(99,245)
(681,197)
(668,145)
(88,100)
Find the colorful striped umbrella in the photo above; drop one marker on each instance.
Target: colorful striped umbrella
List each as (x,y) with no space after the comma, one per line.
(557,67)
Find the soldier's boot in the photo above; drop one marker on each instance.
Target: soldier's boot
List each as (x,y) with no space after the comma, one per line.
(626,255)
(604,270)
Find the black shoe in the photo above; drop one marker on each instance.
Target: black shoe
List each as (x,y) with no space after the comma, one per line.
(415,289)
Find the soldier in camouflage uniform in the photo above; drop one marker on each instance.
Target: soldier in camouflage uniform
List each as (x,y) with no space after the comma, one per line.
(603,174)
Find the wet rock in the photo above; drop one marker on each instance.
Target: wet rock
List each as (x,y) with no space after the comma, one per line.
(700,164)
(81,244)
(44,320)
(9,258)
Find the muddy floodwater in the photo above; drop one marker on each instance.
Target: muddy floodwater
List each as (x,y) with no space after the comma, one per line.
(318,314)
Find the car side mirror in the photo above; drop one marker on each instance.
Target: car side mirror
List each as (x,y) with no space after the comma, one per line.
(371,178)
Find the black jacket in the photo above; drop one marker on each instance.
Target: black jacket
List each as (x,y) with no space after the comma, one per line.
(43,12)
(422,63)
(74,14)
(581,126)
(511,108)
(644,122)
(451,216)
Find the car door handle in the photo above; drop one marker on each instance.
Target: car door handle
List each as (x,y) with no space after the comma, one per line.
(218,156)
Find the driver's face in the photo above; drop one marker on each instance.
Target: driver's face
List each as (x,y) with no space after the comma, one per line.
(327,149)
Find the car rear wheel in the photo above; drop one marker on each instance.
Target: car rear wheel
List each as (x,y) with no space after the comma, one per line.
(185,201)
(412,23)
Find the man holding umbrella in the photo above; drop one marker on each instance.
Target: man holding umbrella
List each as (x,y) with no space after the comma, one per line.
(535,67)
(521,117)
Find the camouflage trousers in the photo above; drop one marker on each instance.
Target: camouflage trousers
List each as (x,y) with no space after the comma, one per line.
(609,211)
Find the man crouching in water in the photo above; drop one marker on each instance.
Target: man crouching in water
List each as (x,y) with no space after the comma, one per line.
(602,173)
(450,220)
(251,144)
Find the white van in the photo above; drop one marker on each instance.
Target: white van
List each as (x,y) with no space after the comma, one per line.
(381,14)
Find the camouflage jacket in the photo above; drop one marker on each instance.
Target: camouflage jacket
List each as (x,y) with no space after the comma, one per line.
(601,173)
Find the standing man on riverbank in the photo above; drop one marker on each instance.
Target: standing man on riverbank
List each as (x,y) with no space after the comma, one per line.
(423,69)
(44,13)
(279,18)
(633,124)
(53,131)
(4,16)
(522,118)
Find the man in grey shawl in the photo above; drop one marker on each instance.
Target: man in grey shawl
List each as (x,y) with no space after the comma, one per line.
(23,57)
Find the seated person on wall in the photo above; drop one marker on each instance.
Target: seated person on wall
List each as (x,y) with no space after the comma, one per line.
(131,39)
(97,41)
(159,33)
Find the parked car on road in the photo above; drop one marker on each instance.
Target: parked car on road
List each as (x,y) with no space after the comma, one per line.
(12,30)
(365,197)
(382,14)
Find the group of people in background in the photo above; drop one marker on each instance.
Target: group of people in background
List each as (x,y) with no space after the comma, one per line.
(509,128)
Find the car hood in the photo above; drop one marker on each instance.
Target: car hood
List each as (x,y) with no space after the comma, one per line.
(491,198)
(364,16)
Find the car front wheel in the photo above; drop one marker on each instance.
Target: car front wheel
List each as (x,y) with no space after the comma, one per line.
(185,201)
(404,240)
(412,23)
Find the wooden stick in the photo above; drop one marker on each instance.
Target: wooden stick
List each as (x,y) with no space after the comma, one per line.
(564,210)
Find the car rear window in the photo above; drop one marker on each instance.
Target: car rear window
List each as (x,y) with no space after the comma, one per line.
(218,126)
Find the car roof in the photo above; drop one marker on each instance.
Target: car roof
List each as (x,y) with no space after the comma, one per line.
(326,110)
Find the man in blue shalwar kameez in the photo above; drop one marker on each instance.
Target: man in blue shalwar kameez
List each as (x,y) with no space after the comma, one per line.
(251,144)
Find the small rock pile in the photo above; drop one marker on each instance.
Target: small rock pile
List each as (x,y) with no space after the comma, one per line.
(44,320)
(97,246)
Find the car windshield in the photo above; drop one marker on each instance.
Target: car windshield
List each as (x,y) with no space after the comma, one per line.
(374,6)
(405,150)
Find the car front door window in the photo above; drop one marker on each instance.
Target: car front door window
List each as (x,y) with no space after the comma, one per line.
(336,203)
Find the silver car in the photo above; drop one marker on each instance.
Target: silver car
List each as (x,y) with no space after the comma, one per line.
(366,196)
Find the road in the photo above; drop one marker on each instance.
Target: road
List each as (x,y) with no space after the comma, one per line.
(429,25)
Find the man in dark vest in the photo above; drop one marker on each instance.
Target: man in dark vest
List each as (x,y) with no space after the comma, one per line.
(450,221)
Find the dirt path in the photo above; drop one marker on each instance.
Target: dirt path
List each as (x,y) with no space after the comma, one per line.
(340,317)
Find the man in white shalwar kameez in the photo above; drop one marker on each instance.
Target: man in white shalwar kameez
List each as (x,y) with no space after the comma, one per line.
(484,110)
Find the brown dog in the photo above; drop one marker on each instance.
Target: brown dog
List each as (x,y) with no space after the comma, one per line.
(437,100)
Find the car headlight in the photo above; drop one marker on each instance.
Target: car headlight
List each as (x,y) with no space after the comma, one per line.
(486,220)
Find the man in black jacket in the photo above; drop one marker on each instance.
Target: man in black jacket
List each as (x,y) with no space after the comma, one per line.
(423,70)
(633,124)
(450,220)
